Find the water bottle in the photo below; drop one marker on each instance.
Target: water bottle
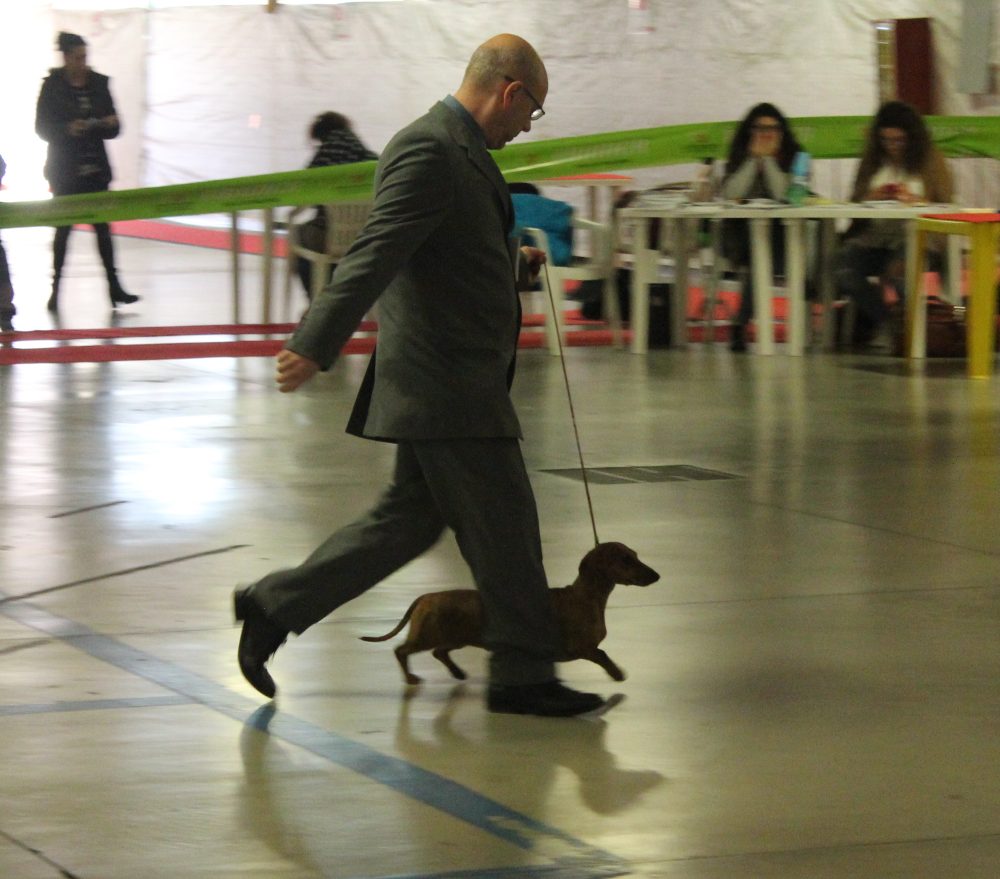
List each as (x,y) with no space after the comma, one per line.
(704,184)
(798,190)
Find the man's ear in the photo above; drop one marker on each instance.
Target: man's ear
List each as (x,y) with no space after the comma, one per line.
(507,95)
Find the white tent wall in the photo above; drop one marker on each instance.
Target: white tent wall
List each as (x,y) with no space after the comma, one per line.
(21,72)
(229,90)
(242,95)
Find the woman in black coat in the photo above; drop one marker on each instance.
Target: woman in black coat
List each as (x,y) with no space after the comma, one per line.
(75,115)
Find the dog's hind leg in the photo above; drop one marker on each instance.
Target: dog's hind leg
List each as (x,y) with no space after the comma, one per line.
(606,662)
(441,655)
(403,656)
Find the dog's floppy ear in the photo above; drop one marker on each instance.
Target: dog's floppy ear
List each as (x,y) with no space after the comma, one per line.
(605,558)
(619,563)
(598,559)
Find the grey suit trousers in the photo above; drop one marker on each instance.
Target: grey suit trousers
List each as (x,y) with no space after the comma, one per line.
(479,488)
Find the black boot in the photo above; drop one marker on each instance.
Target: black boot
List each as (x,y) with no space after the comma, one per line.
(107,251)
(7,310)
(118,294)
(53,303)
(738,338)
(865,329)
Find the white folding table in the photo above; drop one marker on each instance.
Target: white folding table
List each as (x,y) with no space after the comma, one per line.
(685,217)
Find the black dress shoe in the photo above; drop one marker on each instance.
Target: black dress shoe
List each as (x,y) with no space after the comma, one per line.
(550,699)
(258,641)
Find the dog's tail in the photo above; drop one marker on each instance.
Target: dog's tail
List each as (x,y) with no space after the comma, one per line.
(397,629)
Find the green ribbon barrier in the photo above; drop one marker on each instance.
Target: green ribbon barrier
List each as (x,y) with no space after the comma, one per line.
(310,186)
(825,137)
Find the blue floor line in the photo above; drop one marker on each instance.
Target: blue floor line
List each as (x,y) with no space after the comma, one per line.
(92,705)
(572,858)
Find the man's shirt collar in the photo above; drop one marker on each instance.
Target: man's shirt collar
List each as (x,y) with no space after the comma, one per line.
(455,105)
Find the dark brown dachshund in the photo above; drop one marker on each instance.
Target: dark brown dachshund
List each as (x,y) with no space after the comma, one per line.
(446,621)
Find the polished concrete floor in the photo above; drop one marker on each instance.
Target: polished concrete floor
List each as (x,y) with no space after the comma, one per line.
(813,686)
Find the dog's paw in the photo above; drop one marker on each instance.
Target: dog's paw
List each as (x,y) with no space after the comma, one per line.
(617,675)
(413,679)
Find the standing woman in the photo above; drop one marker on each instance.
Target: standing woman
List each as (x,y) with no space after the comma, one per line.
(899,163)
(75,115)
(759,166)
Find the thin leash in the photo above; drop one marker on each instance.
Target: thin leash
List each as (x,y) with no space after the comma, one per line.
(569,396)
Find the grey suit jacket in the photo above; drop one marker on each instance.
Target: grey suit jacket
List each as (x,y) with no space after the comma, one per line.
(435,254)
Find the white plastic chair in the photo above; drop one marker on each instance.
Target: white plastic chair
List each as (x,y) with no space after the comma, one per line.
(672,259)
(598,267)
(344,221)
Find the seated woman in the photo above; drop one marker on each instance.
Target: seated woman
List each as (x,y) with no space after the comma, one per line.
(338,145)
(899,163)
(759,166)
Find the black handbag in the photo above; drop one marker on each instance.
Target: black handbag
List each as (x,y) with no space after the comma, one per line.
(945,330)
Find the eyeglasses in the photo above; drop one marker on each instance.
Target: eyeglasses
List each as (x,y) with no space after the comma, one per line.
(538,112)
(764,128)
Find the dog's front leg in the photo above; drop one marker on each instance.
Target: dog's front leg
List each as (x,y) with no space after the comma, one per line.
(441,655)
(606,662)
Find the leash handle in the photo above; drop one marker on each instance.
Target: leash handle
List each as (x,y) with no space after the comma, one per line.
(569,397)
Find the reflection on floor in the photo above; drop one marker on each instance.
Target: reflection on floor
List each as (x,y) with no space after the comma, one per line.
(812,686)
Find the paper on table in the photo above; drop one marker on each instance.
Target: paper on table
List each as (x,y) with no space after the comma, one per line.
(759,203)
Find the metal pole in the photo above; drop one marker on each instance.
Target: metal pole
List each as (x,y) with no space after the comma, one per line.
(268,248)
(234,243)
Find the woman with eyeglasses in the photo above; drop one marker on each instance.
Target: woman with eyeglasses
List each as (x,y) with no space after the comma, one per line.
(898,163)
(758,167)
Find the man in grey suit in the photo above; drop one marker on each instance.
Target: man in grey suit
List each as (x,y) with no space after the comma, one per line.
(436,255)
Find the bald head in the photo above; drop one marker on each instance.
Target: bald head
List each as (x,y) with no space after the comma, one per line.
(504,86)
(505,55)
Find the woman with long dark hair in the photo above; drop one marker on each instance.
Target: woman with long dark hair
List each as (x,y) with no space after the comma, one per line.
(338,145)
(75,115)
(899,163)
(759,166)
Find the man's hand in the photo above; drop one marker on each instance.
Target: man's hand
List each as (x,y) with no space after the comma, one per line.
(534,258)
(293,370)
